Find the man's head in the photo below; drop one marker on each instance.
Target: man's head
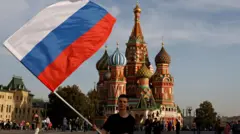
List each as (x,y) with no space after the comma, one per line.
(122,102)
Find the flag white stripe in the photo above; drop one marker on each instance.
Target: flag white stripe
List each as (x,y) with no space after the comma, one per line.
(28,36)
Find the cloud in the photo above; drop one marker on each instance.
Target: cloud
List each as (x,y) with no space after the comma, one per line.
(203,23)
(114,10)
(203,5)
(8,9)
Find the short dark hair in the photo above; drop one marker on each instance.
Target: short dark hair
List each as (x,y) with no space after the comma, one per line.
(123,96)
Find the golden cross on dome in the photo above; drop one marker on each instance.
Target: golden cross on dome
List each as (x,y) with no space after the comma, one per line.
(162,41)
(137,2)
(117,44)
(94,86)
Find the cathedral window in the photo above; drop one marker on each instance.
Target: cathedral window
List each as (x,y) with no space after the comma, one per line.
(7,109)
(2,108)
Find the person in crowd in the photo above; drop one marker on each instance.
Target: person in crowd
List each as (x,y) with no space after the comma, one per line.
(227,128)
(148,125)
(236,128)
(194,127)
(156,127)
(177,127)
(64,126)
(38,123)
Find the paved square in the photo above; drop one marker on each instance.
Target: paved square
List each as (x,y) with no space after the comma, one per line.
(59,132)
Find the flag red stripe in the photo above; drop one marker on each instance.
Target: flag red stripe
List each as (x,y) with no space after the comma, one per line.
(76,53)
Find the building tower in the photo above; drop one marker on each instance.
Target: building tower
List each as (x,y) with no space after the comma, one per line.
(145,93)
(117,81)
(102,67)
(146,104)
(162,80)
(136,48)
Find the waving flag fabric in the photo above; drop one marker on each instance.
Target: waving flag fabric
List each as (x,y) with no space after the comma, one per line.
(60,38)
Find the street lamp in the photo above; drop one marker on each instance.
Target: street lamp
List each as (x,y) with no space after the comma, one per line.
(189,111)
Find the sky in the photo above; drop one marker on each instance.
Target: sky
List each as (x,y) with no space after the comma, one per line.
(202,38)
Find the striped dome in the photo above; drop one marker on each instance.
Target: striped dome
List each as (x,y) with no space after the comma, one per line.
(102,64)
(117,59)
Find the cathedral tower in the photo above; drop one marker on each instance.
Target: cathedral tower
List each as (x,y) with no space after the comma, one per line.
(136,48)
(162,80)
(117,81)
(145,93)
(102,67)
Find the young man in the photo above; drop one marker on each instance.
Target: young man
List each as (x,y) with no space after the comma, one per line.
(122,122)
(178,127)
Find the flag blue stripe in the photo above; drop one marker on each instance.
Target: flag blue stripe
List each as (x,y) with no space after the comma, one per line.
(48,49)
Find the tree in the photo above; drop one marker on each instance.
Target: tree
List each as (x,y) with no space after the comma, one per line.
(179,111)
(37,100)
(205,115)
(94,101)
(57,109)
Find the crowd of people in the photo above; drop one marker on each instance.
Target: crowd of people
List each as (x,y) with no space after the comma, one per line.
(36,125)
(157,126)
(122,122)
(73,125)
(219,127)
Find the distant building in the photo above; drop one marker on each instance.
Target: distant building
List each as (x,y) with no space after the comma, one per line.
(16,102)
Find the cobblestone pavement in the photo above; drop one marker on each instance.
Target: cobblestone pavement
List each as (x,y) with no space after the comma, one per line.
(58,132)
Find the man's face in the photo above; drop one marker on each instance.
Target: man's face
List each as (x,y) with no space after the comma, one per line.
(122,103)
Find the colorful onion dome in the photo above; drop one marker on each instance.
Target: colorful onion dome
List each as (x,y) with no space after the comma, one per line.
(102,64)
(107,75)
(117,59)
(144,72)
(162,57)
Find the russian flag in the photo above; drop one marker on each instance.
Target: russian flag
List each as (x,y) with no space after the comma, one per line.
(54,43)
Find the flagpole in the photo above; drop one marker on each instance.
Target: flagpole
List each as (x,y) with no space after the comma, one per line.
(75,111)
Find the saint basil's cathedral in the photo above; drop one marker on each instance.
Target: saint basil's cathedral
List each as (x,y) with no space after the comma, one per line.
(150,93)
